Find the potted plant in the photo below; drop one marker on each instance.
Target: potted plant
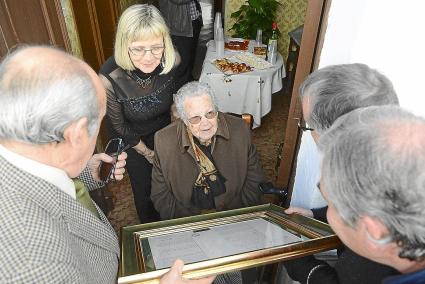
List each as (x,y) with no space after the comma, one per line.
(253,15)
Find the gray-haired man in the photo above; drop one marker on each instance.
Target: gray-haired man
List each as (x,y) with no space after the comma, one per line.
(373,179)
(327,94)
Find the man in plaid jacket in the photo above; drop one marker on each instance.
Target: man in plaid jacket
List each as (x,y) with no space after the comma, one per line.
(51,108)
(52,105)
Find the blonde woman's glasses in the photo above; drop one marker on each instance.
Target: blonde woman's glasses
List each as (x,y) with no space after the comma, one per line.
(141,51)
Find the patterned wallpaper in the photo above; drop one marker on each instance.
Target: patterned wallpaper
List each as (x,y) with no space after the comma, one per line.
(289,16)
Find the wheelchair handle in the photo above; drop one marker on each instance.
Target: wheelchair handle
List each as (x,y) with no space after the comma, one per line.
(269,188)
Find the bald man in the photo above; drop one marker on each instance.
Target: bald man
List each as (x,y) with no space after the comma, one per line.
(52,105)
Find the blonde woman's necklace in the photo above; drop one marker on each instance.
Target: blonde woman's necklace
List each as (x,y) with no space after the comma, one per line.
(140,81)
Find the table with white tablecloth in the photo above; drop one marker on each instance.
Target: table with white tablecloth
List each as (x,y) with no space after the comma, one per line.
(249,92)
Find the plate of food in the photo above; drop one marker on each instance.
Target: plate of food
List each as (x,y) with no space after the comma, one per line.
(260,51)
(236,44)
(229,66)
(253,61)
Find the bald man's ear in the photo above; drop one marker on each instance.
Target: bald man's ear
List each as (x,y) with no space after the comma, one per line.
(77,133)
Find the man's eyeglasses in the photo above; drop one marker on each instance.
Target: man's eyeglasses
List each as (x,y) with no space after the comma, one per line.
(197,119)
(114,148)
(141,51)
(303,126)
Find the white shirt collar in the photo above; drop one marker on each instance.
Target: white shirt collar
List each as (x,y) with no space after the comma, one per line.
(53,175)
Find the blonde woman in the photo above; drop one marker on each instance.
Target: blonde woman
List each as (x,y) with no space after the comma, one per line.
(140,83)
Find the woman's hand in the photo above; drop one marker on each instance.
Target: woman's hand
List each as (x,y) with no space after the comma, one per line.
(150,156)
(142,149)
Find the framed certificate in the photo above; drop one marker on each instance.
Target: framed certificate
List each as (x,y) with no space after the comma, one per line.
(219,242)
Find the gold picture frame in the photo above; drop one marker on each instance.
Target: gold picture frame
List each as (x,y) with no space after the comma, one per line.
(137,263)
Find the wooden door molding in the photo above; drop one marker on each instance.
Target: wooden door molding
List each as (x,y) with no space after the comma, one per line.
(96,22)
(308,50)
(219,6)
(32,22)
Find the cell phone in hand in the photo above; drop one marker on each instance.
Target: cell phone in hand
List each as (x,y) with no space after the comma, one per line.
(114,148)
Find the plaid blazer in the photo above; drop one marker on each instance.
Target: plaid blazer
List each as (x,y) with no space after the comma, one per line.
(48,237)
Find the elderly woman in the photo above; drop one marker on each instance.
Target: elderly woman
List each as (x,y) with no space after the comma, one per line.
(139,80)
(204,161)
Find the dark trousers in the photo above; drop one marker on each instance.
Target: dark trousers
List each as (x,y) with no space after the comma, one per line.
(140,173)
(186,46)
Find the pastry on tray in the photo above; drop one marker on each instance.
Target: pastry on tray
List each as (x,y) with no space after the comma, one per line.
(254,61)
(230,67)
(237,45)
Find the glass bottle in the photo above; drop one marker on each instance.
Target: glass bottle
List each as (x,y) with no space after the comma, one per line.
(272,46)
(274,36)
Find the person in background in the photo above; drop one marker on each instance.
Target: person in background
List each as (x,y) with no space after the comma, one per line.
(373,180)
(184,18)
(53,105)
(140,82)
(327,94)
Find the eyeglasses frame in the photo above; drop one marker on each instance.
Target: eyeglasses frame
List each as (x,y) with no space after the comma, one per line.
(304,127)
(145,50)
(200,117)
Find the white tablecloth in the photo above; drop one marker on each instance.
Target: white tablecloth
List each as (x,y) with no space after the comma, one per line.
(249,92)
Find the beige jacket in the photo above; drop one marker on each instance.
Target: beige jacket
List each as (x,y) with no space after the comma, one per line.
(175,170)
(49,237)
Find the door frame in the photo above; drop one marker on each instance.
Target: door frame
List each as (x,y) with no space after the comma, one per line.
(309,55)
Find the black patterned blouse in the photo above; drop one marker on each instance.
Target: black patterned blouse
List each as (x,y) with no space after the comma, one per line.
(138,104)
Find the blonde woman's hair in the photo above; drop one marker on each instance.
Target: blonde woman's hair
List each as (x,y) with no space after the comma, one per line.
(142,22)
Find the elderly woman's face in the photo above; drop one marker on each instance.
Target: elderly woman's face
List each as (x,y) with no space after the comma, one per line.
(146,54)
(201,117)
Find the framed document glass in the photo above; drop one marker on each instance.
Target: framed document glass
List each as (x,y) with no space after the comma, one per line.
(219,242)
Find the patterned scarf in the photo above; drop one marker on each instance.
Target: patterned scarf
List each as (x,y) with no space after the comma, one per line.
(210,182)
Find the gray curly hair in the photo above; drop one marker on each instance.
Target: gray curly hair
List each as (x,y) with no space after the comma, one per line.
(190,90)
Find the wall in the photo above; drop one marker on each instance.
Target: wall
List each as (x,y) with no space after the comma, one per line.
(288,17)
(384,34)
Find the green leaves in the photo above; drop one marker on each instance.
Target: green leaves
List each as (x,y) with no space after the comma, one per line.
(253,15)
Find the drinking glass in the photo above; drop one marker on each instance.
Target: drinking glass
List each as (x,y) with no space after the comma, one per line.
(259,37)
(217,24)
(219,43)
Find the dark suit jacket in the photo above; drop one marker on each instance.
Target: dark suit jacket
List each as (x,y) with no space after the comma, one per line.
(48,237)
(175,170)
